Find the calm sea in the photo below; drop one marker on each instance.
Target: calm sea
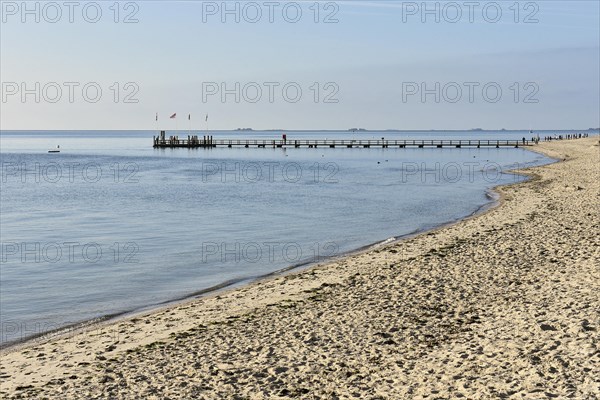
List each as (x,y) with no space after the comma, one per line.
(111,225)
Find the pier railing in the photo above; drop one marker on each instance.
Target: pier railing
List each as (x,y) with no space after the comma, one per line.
(209,142)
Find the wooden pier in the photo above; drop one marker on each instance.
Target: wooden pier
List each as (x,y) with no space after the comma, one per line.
(208,142)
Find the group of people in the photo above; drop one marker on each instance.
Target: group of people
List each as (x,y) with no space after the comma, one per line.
(567,137)
(536,139)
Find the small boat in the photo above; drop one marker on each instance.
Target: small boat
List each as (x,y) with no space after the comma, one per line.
(57,150)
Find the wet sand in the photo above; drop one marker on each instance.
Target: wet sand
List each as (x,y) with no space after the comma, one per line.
(505,304)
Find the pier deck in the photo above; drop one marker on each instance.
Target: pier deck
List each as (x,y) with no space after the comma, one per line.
(209,142)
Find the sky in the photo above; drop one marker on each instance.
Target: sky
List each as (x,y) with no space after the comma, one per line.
(300,65)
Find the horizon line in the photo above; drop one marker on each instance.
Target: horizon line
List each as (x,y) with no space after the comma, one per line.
(359,130)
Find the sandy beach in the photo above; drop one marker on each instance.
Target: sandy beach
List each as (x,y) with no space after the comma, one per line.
(505,304)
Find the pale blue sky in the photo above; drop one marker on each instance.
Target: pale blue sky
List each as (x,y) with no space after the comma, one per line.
(371,54)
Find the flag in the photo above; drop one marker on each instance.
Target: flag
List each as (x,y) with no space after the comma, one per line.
(189,117)
(206,118)
(156,116)
(173,116)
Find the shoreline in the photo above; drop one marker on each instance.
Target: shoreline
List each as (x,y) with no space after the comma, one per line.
(274,301)
(223,287)
(100,321)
